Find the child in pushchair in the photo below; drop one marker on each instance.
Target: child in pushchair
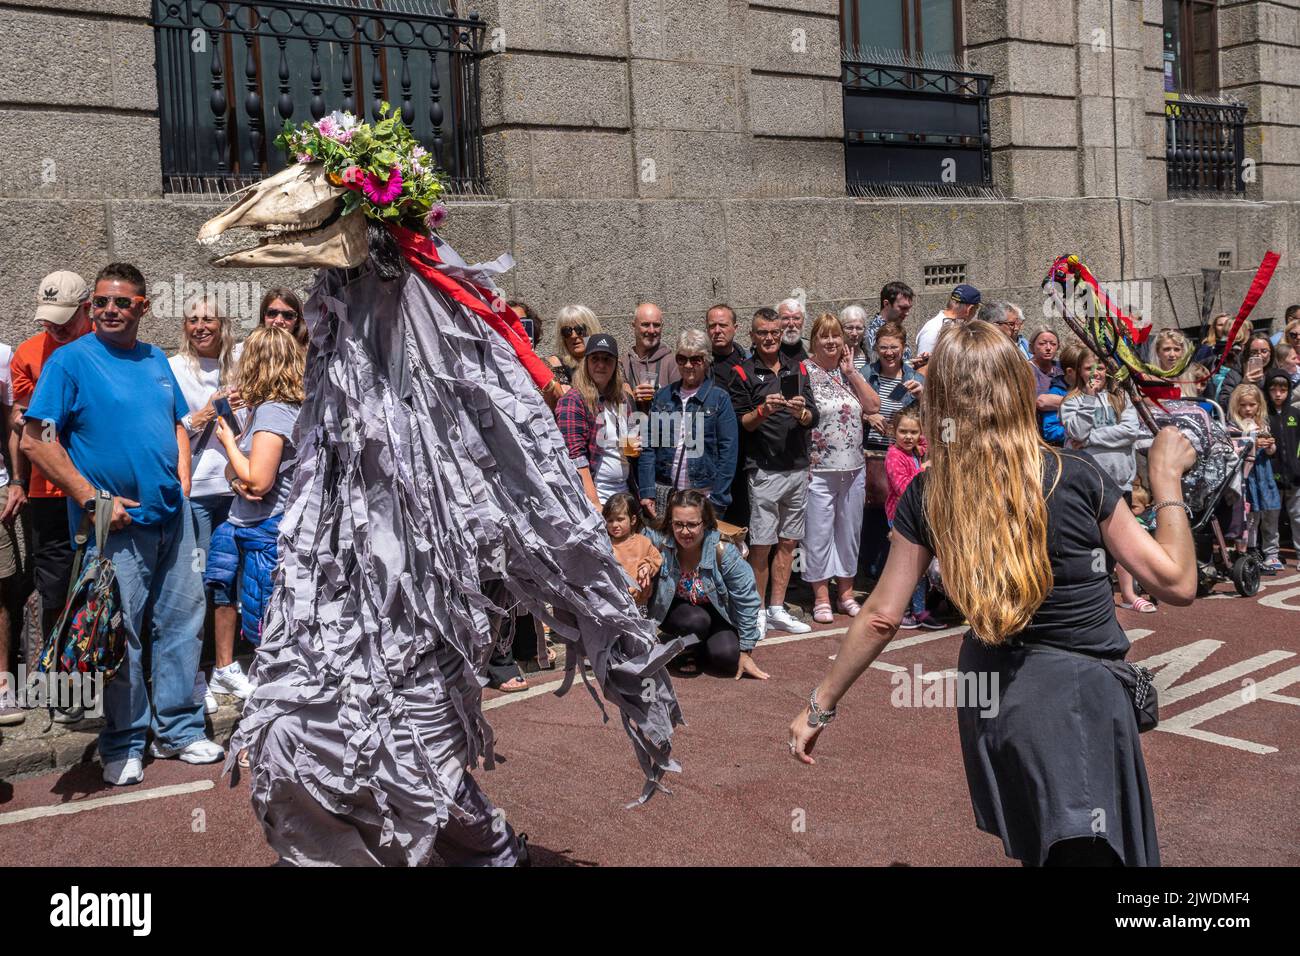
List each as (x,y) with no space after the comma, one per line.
(1214,489)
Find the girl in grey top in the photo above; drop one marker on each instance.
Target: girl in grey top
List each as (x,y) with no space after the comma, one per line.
(263,456)
(1105,423)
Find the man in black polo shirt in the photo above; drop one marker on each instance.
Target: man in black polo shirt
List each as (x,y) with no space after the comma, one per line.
(776,459)
(720,324)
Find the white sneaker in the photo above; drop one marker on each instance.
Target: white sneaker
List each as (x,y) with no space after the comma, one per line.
(196,751)
(123,773)
(762,622)
(231,680)
(779,619)
(203,695)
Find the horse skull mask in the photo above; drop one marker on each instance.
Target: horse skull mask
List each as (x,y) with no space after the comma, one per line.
(298,217)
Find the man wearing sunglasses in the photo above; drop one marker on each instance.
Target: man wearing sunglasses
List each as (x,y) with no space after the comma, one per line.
(776,460)
(107,415)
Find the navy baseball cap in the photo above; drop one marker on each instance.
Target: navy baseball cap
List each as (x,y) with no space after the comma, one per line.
(602,342)
(966,294)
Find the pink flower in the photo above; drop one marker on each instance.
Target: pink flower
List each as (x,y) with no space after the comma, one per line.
(305,157)
(437,215)
(382,192)
(353,176)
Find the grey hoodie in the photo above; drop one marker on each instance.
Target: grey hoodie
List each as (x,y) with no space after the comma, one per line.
(1111,440)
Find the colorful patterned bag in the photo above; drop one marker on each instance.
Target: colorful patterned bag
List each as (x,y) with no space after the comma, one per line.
(90,636)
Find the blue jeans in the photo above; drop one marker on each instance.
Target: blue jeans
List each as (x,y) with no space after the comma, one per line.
(157,570)
(210,512)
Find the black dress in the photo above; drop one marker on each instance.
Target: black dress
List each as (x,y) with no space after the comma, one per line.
(1060,758)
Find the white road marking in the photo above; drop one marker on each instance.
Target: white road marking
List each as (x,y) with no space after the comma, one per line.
(1137,633)
(1185,724)
(117,799)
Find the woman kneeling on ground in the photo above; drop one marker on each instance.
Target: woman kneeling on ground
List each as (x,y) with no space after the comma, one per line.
(1052,742)
(705,588)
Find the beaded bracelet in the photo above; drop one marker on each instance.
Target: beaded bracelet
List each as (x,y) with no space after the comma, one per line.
(1174,504)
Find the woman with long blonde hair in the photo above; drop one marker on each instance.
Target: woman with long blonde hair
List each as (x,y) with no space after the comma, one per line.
(1052,737)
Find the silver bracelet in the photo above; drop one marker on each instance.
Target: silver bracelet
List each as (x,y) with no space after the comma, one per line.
(1173,504)
(816,716)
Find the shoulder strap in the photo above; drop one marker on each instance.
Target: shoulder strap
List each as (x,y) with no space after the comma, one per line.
(100,521)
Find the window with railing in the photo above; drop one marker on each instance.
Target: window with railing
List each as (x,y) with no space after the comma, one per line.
(915,119)
(914,123)
(1205,144)
(231,73)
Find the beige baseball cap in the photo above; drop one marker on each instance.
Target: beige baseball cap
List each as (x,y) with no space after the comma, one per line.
(59,296)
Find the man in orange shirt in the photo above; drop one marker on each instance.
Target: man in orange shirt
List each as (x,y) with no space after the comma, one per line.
(63,312)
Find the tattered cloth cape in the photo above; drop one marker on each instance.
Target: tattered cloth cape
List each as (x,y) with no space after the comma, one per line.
(433,496)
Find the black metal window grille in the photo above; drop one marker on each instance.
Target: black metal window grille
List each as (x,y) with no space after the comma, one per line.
(1225,259)
(231,73)
(1205,144)
(914,123)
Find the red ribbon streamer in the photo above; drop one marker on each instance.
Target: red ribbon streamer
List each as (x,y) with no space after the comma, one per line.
(1263,276)
(422,254)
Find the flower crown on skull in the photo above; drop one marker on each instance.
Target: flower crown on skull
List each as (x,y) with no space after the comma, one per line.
(388,175)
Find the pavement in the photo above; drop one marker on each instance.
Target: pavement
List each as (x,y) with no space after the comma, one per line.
(888,787)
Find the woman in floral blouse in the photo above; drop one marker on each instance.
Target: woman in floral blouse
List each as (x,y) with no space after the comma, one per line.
(836,485)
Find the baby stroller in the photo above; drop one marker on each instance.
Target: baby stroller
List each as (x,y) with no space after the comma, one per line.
(1212,488)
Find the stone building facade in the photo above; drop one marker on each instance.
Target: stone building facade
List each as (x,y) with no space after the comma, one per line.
(694,151)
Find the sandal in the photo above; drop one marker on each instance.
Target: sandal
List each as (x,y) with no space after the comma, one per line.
(823,614)
(513,686)
(850,607)
(1141,605)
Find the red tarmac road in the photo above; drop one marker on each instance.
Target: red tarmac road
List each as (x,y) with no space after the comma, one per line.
(888,787)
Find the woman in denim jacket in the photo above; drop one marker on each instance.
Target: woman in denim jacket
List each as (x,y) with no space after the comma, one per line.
(703,454)
(705,588)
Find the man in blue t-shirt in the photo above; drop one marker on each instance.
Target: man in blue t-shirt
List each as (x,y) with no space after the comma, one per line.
(106,416)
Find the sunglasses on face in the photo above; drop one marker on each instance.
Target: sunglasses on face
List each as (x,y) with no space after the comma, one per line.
(122,302)
(687,525)
(281,314)
(690,360)
(775,333)
(567,330)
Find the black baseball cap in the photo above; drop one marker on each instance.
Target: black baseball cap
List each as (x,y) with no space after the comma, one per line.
(602,342)
(966,294)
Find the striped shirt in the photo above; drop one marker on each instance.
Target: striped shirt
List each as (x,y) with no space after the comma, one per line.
(892,396)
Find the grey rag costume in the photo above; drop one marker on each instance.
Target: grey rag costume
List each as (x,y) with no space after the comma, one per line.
(433,499)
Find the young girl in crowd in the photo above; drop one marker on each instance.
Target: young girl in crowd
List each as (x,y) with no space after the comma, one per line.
(262,460)
(1104,421)
(639,558)
(903,462)
(1246,410)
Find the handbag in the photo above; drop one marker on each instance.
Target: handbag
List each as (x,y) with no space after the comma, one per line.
(1136,680)
(877,480)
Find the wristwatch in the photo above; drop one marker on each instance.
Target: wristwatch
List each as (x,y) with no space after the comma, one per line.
(20,482)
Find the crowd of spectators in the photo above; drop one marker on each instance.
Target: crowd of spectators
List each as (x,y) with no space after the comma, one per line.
(795,453)
(720,470)
(191,457)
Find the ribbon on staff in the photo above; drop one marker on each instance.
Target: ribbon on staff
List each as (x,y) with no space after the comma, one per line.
(1263,275)
(421,253)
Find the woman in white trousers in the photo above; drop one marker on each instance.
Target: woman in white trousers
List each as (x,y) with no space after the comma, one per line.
(837,476)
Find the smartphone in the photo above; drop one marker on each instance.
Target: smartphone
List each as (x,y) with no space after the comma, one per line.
(1255,363)
(222,406)
(789,384)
